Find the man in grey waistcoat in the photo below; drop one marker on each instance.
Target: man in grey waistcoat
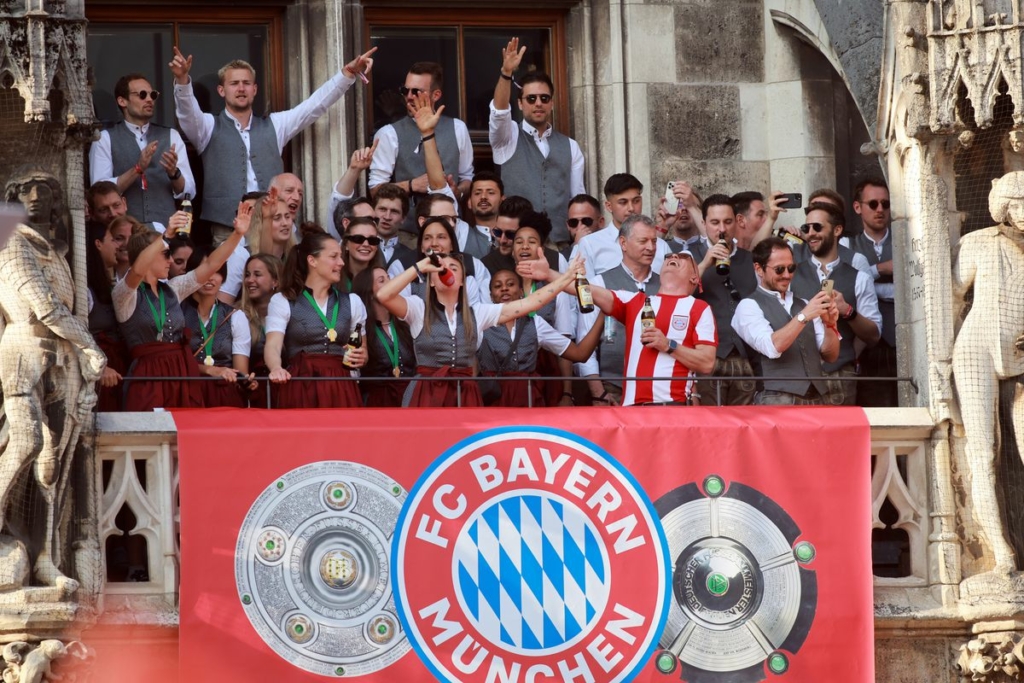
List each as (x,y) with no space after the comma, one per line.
(536,161)
(242,152)
(147,162)
(399,155)
(790,337)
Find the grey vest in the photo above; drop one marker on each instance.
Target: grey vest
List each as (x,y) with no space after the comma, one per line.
(382,365)
(801,253)
(157,202)
(802,358)
(497,354)
(222,337)
(806,284)
(436,346)
(410,163)
(476,244)
(547,183)
(225,164)
(612,354)
(140,328)
(720,298)
(887,307)
(103,320)
(306,331)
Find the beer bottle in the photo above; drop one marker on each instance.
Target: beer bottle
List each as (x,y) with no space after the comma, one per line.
(722,265)
(583,295)
(647,315)
(186,207)
(355,340)
(445,276)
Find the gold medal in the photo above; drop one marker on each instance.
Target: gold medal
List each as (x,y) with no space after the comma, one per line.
(397,372)
(332,335)
(208,361)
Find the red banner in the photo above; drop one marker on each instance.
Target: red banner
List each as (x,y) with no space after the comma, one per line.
(701,544)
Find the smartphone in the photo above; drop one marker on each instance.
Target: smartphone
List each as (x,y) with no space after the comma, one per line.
(826,286)
(793,200)
(671,202)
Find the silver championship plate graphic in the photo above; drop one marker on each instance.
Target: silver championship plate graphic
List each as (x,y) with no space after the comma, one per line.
(743,595)
(313,571)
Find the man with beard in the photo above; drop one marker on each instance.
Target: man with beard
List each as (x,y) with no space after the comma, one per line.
(854,296)
(536,161)
(485,195)
(503,233)
(584,217)
(774,322)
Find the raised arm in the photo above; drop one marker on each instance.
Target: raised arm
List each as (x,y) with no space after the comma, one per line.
(196,125)
(511,57)
(390,294)
(536,300)
(426,121)
(773,215)
(579,352)
(360,161)
(221,254)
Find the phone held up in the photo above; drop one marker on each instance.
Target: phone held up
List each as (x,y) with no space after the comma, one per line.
(793,200)
(671,203)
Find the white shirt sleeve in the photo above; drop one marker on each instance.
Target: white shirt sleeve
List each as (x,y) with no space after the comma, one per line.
(101,160)
(183,165)
(241,335)
(279,312)
(415,310)
(487,316)
(502,133)
(197,126)
(563,265)
(867,300)
(860,262)
(753,328)
(289,123)
(576,175)
(91,299)
(124,300)
(236,270)
(550,339)
(465,152)
(396,269)
(185,285)
(483,280)
(357,313)
(566,311)
(384,159)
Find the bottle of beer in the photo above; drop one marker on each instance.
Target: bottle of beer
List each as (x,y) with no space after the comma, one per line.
(355,340)
(723,265)
(789,237)
(445,276)
(583,295)
(186,207)
(647,315)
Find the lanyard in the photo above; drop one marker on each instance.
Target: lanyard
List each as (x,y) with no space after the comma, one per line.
(393,354)
(208,336)
(329,324)
(161,319)
(533,288)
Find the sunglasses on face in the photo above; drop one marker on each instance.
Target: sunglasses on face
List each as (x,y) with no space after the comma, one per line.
(363,239)
(575,222)
(415,92)
(499,233)
(873,204)
(779,270)
(532,99)
(143,94)
(807,227)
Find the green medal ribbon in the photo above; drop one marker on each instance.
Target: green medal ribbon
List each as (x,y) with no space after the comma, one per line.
(208,335)
(161,319)
(329,324)
(533,288)
(393,355)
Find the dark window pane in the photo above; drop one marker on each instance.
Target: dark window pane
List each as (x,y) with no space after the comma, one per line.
(150,48)
(214,46)
(483,48)
(399,49)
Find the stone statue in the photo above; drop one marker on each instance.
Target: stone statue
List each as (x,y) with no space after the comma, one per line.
(48,366)
(987,358)
(28,665)
(43,198)
(1013,151)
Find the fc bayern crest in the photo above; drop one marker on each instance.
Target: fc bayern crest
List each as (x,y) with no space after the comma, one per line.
(528,553)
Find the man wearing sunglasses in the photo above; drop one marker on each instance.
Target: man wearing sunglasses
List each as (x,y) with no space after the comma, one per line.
(536,161)
(790,336)
(584,218)
(871,202)
(854,295)
(146,162)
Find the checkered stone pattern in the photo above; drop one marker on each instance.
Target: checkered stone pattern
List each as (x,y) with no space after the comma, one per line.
(531,572)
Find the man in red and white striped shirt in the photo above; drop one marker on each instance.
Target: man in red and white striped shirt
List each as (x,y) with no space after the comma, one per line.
(683,340)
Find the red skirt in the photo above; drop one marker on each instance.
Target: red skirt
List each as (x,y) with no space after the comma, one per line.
(221,394)
(110,399)
(547,366)
(299,394)
(258,397)
(515,394)
(163,359)
(429,394)
(384,394)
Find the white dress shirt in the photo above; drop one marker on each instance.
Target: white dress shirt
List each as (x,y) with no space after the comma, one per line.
(101,160)
(867,302)
(884,290)
(752,327)
(503,133)
(198,126)
(601,251)
(386,157)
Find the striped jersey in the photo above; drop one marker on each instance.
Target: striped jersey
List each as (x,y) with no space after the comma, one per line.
(687,320)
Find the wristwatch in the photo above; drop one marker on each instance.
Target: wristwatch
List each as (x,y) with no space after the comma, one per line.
(672,345)
(801,318)
(177,174)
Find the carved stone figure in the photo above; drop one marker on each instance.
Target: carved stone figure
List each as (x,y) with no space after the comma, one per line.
(1013,151)
(41,194)
(48,365)
(28,665)
(986,353)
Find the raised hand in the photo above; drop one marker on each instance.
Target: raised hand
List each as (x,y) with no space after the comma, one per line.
(180,66)
(146,155)
(361,65)
(169,161)
(773,204)
(511,57)
(426,117)
(242,218)
(362,158)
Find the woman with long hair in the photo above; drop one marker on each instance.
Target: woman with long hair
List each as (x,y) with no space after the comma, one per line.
(448,330)
(389,345)
(181,252)
(272,227)
(219,340)
(152,322)
(260,280)
(309,324)
(361,248)
(106,245)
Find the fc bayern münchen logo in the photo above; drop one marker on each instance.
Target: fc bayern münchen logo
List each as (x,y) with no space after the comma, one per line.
(528,553)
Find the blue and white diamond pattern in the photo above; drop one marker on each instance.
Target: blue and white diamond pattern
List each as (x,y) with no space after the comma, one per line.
(531,572)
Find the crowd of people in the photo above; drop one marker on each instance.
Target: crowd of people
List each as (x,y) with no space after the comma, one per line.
(447,287)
